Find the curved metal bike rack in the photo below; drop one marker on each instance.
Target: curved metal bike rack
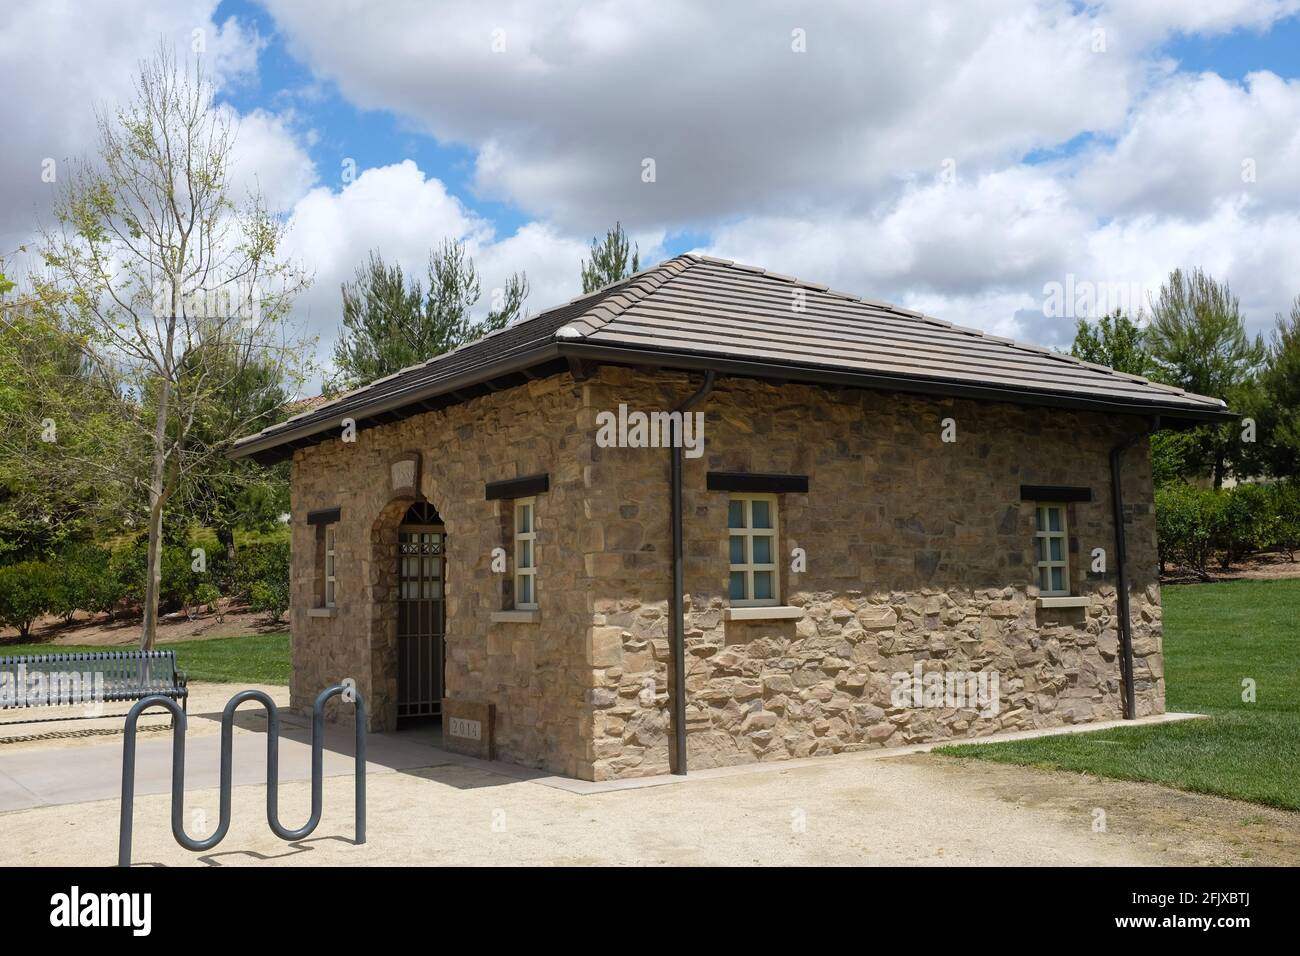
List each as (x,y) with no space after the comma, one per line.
(227,761)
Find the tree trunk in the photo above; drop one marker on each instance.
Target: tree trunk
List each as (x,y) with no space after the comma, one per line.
(153,574)
(226,538)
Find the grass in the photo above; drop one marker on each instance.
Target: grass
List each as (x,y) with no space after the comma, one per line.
(1215,636)
(253,659)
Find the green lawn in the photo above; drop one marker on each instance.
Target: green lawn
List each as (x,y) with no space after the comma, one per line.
(255,659)
(1216,635)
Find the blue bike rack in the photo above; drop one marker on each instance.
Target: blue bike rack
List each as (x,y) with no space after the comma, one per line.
(227,745)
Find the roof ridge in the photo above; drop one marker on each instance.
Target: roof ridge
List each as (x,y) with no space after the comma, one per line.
(636,287)
(965,330)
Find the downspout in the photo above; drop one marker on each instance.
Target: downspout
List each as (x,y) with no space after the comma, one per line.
(1121,568)
(675,604)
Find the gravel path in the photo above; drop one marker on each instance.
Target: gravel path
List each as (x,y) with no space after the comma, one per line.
(921,809)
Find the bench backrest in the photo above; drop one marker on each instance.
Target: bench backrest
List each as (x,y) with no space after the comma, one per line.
(80,676)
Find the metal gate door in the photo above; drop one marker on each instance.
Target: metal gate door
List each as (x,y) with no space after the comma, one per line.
(421,620)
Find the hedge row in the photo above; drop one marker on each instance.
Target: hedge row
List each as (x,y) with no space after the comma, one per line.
(102,581)
(1196,526)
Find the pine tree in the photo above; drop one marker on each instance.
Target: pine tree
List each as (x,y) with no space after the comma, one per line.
(391,323)
(609,260)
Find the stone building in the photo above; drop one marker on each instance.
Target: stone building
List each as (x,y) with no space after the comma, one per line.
(711,515)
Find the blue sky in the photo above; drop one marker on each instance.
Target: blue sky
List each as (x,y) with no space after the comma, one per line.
(377,137)
(1241,51)
(960,159)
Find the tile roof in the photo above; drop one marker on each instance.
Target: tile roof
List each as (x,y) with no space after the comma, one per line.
(694,311)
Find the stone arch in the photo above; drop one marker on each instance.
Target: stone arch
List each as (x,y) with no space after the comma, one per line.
(383,612)
(383,588)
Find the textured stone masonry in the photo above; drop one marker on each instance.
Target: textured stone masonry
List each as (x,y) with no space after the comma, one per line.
(918,551)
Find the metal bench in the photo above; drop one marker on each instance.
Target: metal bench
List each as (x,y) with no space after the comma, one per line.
(60,680)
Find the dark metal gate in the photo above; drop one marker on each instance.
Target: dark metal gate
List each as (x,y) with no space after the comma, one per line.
(421,616)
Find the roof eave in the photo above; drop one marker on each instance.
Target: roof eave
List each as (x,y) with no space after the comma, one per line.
(822,375)
(262,444)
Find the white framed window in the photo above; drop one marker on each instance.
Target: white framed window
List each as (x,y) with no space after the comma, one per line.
(329,567)
(525,554)
(1051,550)
(752,530)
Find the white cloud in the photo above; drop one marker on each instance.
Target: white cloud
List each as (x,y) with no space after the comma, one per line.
(1196,141)
(269,158)
(824,164)
(579,94)
(736,121)
(400,213)
(1155,18)
(75,57)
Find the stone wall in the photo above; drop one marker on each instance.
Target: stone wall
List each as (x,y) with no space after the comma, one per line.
(918,552)
(533,673)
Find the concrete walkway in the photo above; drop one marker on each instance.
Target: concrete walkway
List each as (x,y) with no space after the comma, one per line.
(59,805)
(34,776)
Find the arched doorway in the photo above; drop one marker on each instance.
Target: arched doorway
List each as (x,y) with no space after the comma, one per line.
(421,613)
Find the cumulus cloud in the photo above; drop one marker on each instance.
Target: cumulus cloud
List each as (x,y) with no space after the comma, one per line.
(952,157)
(572,98)
(402,214)
(564,102)
(1196,141)
(73,58)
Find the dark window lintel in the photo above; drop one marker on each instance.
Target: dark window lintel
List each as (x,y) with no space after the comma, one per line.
(324,516)
(756,482)
(524,487)
(1054,493)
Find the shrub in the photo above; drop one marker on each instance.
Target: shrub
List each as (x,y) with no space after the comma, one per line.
(65,589)
(178,581)
(271,597)
(207,594)
(83,581)
(1188,523)
(25,594)
(1248,522)
(128,566)
(262,573)
(105,588)
(1286,510)
(265,563)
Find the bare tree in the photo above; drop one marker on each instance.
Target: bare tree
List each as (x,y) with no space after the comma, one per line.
(177,287)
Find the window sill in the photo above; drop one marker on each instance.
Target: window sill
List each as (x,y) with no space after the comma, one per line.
(763,613)
(322,612)
(1064,601)
(516,617)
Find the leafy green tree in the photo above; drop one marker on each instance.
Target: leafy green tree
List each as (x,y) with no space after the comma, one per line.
(153,261)
(26,592)
(1173,454)
(612,259)
(1115,341)
(391,322)
(1118,342)
(1275,405)
(69,454)
(219,493)
(264,577)
(1197,340)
